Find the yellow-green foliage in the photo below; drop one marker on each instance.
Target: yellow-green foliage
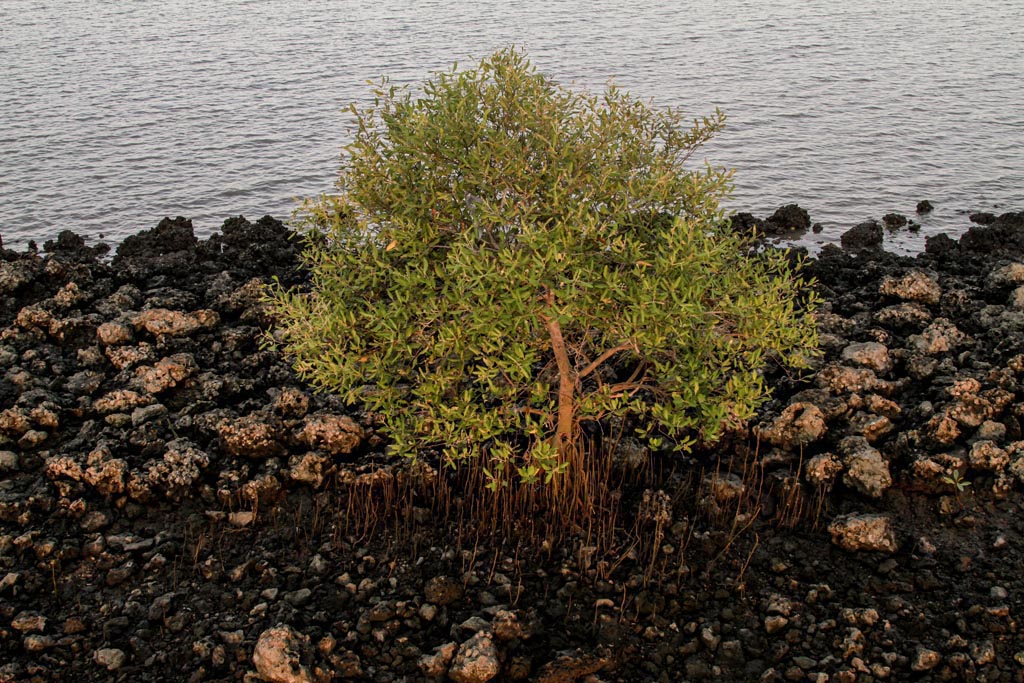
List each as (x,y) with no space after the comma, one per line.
(505,259)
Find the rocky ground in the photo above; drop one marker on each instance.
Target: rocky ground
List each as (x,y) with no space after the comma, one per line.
(176,506)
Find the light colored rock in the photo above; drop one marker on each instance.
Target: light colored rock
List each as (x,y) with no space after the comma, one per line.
(822,470)
(114,334)
(866,470)
(985,455)
(121,401)
(249,436)
(110,658)
(125,357)
(903,315)
(29,622)
(942,429)
(1010,274)
(925,659)
(798,425)
(476,661)
(278,656)
(858,532)
(166,374)
(308,468)
(161,321)
(871,427)
(181,467)
(436,665)
(942,336)
(914,286)
(1016,300)
(334,434)
(840,379)
(869,355)
(8,462)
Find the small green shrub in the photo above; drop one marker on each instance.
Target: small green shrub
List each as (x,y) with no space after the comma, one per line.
(505,260)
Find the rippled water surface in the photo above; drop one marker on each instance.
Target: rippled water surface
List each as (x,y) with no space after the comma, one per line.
(116,114)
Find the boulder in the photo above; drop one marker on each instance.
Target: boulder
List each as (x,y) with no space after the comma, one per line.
(789,218)
(867,235)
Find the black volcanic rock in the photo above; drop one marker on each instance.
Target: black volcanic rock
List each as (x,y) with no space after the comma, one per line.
(866,235)
(1005,233)
(982,218)
(789,218)
(894,221)
(924,206)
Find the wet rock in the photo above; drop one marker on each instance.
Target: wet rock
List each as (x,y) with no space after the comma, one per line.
(789,218)
(1004,235)
(279,655)
(858,532)
(867,235)
(747,224)
(866,470)
(894,221)
(916,286)
(869,355)
(476,661)
(798,425)
(982,218)
(334,434)
(924,206)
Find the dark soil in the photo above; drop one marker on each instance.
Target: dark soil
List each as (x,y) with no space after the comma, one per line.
(174,501)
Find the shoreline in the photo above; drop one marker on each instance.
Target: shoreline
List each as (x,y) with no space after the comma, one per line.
(168,494)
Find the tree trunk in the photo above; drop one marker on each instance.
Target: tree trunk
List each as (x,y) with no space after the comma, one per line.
(566,383)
